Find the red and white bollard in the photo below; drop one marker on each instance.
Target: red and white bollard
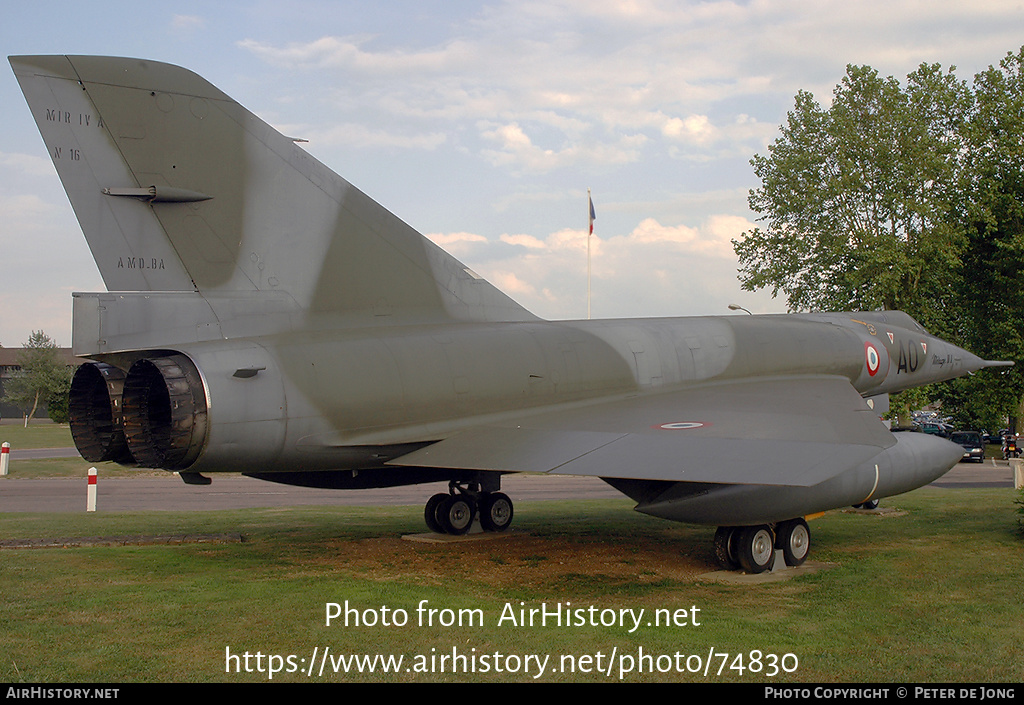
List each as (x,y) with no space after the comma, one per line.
(5,457)
(90,504)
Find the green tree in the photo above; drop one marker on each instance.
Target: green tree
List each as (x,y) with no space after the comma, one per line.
(854,197)
(43,378)
(906,198)
(990,298)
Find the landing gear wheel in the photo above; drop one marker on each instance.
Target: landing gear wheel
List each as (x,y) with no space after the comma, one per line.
(725,551)
(430,513)
(794,538)
(870,504)
(495,511)
(455,514)
(755,548)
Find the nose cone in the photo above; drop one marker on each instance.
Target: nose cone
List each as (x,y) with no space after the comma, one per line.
(972,363)
(969,361)
(975,360)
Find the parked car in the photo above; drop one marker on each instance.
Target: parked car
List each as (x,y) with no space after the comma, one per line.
(974,448)
(936,429)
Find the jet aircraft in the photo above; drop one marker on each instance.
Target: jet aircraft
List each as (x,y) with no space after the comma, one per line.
(264,316)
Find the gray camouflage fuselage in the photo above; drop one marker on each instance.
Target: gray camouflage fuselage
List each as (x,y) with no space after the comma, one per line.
(266,317)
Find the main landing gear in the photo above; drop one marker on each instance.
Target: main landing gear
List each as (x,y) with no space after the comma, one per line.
(453,513)
(752,548)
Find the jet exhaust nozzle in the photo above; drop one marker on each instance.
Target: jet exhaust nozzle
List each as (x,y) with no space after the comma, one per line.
(95,413)
(165,412)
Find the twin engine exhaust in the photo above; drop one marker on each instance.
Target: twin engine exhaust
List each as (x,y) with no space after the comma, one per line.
(153,416)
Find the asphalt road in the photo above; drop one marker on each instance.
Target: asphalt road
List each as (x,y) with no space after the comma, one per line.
(37,453)
(236,492)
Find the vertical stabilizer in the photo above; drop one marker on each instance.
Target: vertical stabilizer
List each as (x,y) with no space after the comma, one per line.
(179,188)
(127,242)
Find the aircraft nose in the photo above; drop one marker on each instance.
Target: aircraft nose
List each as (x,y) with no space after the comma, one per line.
(972,363)
(993,363)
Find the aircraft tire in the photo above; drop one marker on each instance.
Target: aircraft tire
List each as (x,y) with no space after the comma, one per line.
(430,513)
(725,552)
(455,514)
(496,511)
(794,538)
(755,548)
(870,504)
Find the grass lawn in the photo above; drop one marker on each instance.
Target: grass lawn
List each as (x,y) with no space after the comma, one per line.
(50,435)
(37,435)
(929,595)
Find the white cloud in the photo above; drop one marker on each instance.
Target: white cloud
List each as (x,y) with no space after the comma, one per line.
(516,149)
(713,238)
(487,119)
(655,269)
(363,137)
(24,212)
(511,284)
(449,239)
(569,84)
(44,256)
(28,164)
(651,231)
(347,53)
(187,23)
(527,241)
(460,244)
(695,128)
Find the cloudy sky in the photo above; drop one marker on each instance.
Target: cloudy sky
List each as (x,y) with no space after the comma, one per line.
(483,124)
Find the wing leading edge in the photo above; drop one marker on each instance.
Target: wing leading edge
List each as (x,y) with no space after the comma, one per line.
(783,431)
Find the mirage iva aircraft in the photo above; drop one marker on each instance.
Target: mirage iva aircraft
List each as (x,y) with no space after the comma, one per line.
(263,316)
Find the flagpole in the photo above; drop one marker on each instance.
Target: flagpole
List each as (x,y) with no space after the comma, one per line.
(590,217)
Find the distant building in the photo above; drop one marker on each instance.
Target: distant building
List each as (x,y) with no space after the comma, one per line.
(9,366)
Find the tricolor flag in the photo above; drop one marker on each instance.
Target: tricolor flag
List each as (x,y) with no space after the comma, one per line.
(593,216)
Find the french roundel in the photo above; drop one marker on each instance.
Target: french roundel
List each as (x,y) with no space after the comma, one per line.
(872,358)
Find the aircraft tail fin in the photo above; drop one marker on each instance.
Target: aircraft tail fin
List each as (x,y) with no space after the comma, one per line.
(177,187)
